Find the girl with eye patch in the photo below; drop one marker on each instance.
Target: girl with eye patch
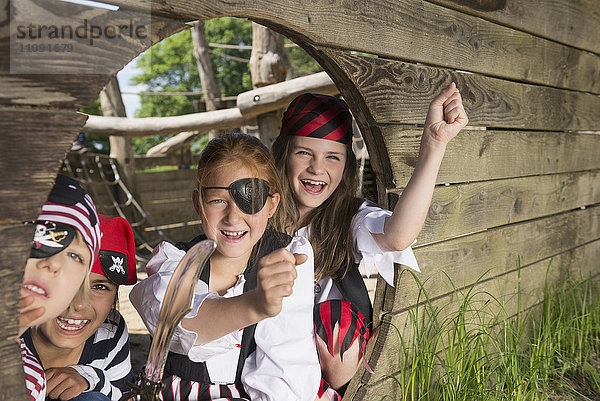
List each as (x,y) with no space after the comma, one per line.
(249,335)
(314,154)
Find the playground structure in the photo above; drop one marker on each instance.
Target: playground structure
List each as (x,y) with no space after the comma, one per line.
(520,185)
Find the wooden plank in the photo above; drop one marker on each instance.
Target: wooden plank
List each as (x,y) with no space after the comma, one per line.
(170,212)
(166,176)
(412,30)
(143,162)
(30,77)
(578,263)
(13,255)
(466,208)
(399,92)
(533,17)
(28,167)
(483,155)
(497,251)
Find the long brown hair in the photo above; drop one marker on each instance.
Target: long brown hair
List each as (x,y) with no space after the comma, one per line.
(233,148)
(330,223)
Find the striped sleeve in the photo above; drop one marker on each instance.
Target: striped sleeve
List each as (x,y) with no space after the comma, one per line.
(35,378)
(105,362)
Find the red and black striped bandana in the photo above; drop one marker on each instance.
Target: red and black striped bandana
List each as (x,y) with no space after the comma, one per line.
(318,116)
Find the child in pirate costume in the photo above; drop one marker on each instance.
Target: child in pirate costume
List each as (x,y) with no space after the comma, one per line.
(314,153)
(65,246)
(249,335)
(85,350)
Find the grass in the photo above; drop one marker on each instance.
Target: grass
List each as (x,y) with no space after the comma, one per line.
(472,349)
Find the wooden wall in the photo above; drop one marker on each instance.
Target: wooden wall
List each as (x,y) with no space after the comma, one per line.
(522,182)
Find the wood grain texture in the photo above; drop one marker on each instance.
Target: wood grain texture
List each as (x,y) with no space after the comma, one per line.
(466,208)
(476,155)
(399,92)
(28,166)
(575,23)
(413,30)
(67,78)
(13,255)
(577,264)
(498,251)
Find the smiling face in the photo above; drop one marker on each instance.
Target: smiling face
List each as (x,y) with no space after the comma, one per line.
(314,169)
(74,326)
(54,281)
(234,231)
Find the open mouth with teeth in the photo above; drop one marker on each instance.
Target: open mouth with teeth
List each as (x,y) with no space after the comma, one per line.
(34,289)
(71,324)
(314,187)
(233,235)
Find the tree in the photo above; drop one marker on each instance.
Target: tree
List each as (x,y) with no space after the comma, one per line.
(169,66)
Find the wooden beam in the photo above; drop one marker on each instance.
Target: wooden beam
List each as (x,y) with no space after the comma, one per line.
(400,92)
(250,104)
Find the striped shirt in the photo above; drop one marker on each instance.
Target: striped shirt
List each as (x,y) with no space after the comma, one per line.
(35,378)
(105,361)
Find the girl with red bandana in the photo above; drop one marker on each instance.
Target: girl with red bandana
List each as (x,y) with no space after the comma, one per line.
(314,153)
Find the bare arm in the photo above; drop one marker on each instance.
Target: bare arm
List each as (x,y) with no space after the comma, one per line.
(445,118)
(220,316)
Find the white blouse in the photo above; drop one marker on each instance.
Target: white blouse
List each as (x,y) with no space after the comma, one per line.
(285,364)
(368,220)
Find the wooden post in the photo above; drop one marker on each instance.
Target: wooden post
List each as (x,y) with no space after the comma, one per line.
(121,148)
(210,89)
(269,64)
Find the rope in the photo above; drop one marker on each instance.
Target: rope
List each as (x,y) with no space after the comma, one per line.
(107,177)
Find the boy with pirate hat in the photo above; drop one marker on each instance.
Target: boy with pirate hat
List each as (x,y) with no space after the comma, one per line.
(65,246)
(85,350)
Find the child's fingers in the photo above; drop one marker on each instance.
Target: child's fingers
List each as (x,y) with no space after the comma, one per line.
(26,318)
(279,255)
(300,258)
(26,301)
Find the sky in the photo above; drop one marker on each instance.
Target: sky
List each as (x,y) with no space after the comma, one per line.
(131,102)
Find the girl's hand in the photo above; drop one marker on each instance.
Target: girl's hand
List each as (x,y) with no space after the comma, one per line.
(275,279)
(28,316)
(64,383)
(445,118)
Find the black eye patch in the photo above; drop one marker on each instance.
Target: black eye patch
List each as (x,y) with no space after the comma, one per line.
(51,238)
(249,194)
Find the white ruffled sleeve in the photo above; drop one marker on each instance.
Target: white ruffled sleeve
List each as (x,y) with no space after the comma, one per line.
(147,295)
(285,365)
(371,220)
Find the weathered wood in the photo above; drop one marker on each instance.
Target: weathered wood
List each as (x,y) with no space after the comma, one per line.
(137,127)
(121,149)
(250,104)
(413,30)
(466,208)
(25,185)
(277,96)
(13,256)
(577,264)
(145,162)
(476,155)
(210,89)
(52,81)
(497,251)
(399,92)
(174,143)
(269,64)
(566,17)
(170,211)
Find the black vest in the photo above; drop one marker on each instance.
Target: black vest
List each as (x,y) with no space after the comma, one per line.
(181,365)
